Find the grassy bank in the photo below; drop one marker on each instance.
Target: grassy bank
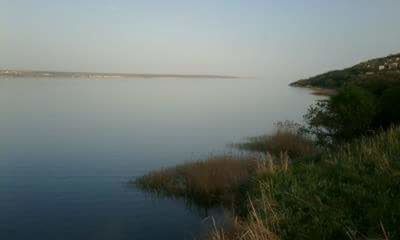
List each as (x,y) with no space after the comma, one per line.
(349,193)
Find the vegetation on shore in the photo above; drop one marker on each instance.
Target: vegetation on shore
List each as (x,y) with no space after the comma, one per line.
(354,112)
(220,179)
(336,177)
(206,183)
(289,137)
(349,193)
(386,69)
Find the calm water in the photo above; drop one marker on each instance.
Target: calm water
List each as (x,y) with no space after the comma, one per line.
(68,148)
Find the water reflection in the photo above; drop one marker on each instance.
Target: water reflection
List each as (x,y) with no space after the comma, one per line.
(68,147)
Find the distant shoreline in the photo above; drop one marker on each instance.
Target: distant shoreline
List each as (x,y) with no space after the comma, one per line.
(49,74)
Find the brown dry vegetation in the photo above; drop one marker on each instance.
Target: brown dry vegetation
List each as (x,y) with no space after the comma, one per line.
(206,182)
(212,181)
(350,193)
(288,137)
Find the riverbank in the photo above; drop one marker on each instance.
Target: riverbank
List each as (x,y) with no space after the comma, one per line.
(347,193)
(335,177)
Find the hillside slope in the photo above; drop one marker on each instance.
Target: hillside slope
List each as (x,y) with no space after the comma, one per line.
(382,69)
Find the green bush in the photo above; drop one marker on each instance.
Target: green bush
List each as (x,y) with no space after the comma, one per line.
(389,106)
(345,116)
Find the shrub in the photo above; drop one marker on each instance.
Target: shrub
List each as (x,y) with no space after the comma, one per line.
(389,106)
(345,116)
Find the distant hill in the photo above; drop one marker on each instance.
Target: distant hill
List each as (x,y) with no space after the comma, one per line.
(95,75)
(381,69)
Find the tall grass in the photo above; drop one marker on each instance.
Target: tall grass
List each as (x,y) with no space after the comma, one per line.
(352,192)
(253,228)
(217,180)
(288,138)
(208,182)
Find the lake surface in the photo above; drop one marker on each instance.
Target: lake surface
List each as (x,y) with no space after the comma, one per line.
(68,147)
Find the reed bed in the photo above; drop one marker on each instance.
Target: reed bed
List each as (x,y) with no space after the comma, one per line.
(207,182)
(288,138)
(351,192)
(217,180)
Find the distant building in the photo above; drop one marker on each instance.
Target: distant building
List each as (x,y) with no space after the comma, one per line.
(381,67)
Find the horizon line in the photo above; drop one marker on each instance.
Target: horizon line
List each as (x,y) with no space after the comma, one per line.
(23,72)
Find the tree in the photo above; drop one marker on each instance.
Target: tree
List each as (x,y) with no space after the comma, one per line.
(344,116)
(389,106)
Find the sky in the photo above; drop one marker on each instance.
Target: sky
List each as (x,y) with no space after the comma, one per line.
(258,38)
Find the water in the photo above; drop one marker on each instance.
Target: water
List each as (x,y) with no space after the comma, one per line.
(69,146)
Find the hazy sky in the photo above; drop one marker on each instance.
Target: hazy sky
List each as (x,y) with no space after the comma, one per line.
(285,39)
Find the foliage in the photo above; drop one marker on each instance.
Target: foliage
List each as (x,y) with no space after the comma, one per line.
(350,194)
(346,115)
(252,228)
(389,106)
(377,84)
(356,75)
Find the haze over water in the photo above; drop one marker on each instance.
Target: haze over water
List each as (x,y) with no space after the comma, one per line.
(69,147)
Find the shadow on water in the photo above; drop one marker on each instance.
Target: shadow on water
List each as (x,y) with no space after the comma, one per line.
(203,209)
(109,131)
(213,215)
